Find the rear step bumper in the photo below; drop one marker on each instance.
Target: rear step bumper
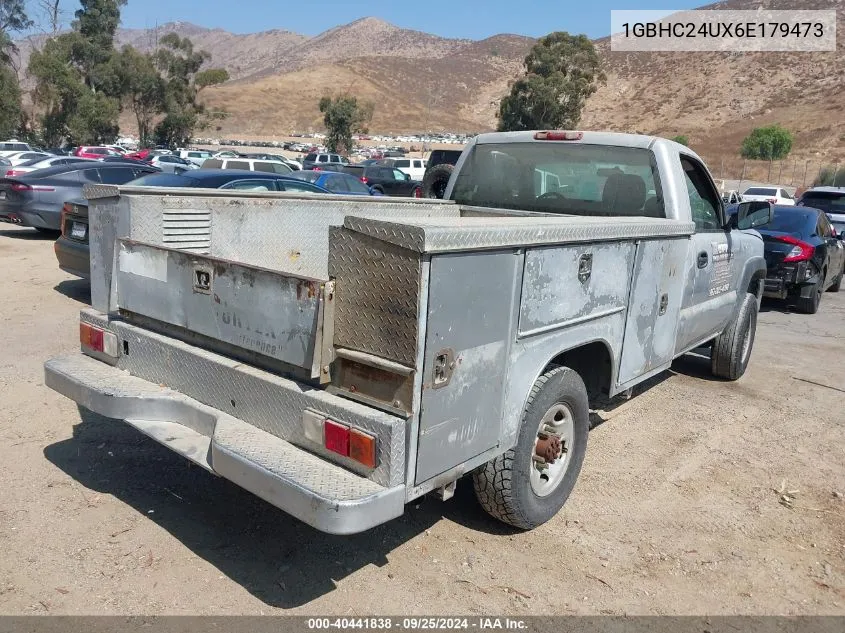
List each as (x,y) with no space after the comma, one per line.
(317,492)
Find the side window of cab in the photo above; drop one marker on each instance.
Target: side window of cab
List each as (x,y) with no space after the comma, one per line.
(704,201)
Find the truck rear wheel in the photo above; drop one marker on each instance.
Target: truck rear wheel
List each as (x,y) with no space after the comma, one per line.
(436,179)
(528,485)
(732,348)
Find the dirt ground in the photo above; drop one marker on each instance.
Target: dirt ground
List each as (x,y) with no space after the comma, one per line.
(676,511)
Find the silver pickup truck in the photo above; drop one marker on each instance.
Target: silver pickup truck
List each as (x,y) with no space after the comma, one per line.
(340,358)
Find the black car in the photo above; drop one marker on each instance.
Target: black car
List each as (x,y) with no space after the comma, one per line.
(386,180)
(240,179)
(804,256)
(36,199)
(72,249)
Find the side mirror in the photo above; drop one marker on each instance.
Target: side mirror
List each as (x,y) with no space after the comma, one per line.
(407,176)
(752,214)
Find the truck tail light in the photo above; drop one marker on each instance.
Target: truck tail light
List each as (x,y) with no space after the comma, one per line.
(97,340)
(558,135)
(362,448)
(801,251)
(341,438)
(364,179)
(336,437)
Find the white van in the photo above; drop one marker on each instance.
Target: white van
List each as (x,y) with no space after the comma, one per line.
(250,164)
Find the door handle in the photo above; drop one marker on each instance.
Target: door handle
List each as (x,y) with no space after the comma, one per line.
(702,259)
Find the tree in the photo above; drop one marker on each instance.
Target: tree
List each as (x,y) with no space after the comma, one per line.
(143,90)
(767,143)
(830,177)
(13,16)
(210,77)
(343,116)
(561,71)
(682,139)
(78,76)
(181,65)
(10,103)
(94,121)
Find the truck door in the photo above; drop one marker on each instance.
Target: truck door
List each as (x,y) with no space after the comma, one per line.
(711,275)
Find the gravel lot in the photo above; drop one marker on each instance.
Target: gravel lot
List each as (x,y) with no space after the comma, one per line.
(676,511)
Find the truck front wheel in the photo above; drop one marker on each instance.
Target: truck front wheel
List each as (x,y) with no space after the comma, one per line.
(732,348)
(528,485)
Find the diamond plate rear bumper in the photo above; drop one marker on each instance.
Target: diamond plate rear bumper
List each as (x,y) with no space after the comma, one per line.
(317,492)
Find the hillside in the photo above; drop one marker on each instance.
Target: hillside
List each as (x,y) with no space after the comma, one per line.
(717,98)
(420,81)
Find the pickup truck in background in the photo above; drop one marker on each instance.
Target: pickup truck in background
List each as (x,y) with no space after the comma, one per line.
(341,357)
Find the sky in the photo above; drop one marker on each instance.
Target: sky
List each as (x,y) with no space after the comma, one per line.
(473,19)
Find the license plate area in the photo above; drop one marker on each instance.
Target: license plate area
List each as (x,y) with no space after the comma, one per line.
(78,230)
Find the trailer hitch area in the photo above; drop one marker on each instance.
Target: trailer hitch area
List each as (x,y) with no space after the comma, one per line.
(547,449)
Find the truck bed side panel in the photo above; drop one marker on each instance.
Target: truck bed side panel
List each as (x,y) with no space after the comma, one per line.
(654,307)
(568,283)
(471,314)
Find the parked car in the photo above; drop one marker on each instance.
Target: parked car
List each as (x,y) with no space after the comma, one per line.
(293,164)
(72,249)
(13,146)
(386,180)
(336,182)
(315,160)
(95,152)
(804,256)
(43,163)
(732,197)
(172,164)
(414,167)
(441,163)
(241,179)
(831,200)
(775,195)
(36,199)
(195,156)
(248,164)
(22,157)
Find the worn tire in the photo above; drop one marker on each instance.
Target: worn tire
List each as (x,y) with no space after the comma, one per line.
(732,348)
(810,305)
(436,179)
(503,486)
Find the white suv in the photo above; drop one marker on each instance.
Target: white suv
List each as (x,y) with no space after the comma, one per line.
(775,195)
(414,167)
(249,164)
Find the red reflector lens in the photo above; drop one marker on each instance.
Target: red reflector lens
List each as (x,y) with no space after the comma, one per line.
(558,135)
(91,337)
(362,448)
(336,437)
